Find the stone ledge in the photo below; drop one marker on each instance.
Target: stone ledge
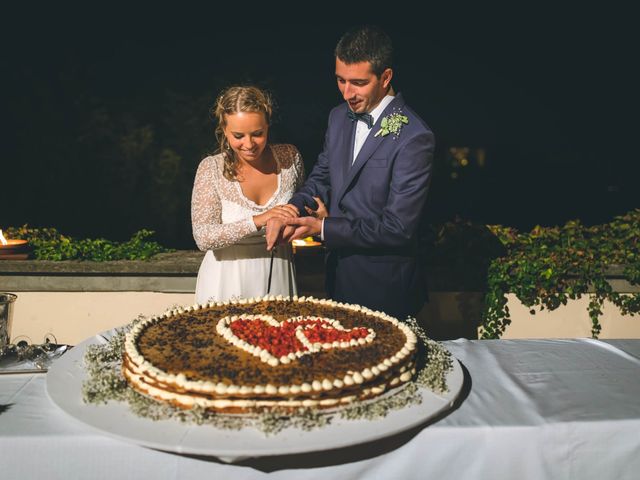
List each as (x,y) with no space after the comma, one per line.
(177,272)
(179,263)
(174,272)
(98,283)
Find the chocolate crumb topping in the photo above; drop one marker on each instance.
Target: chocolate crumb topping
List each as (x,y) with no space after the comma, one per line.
(190,343)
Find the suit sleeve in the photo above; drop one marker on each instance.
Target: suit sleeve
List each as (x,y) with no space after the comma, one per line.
(316,185)
(396,224)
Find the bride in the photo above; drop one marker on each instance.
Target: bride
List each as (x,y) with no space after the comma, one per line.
(235,192)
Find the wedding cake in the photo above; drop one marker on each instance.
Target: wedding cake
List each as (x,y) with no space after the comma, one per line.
(258,354)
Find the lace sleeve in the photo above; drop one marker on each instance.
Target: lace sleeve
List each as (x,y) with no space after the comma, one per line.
(206,212)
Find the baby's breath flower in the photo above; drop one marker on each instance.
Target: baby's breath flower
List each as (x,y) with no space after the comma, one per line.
(105,382)
(392,123)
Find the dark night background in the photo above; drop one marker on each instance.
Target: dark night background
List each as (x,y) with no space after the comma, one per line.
(105,113)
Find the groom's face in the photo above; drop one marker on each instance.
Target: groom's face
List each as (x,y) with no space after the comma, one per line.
(360,87)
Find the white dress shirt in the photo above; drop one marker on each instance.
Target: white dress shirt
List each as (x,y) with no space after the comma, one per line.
(362,132)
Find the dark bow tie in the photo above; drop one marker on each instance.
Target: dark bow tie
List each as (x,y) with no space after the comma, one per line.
(363,117)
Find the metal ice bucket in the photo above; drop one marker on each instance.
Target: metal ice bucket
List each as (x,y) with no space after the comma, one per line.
(6,316)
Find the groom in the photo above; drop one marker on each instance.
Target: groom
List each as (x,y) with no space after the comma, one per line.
(373,173)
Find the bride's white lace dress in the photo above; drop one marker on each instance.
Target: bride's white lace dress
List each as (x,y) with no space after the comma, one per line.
(237,262)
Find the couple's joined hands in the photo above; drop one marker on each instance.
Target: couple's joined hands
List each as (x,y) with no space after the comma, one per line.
(279,211)
(283,229)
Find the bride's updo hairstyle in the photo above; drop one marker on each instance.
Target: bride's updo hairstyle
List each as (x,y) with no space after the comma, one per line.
(231,101)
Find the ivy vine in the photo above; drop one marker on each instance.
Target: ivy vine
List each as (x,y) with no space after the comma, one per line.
(548,266)
(50,244)
(544,268)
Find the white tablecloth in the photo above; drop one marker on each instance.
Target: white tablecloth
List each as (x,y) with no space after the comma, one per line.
(531,409)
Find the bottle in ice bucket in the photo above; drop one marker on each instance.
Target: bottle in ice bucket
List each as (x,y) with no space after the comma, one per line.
(6,311)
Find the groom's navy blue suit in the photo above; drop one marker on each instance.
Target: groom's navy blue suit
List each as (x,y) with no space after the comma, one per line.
(375,209)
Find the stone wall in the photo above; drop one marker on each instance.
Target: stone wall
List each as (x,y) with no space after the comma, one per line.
(73,300)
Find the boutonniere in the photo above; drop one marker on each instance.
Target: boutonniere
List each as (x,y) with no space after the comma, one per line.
(392,123)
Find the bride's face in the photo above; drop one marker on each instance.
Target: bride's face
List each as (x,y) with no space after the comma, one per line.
(246,133)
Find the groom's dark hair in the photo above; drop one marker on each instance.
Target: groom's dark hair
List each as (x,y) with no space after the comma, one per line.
(366,43)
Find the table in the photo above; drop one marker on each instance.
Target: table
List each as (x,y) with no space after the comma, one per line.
(530,409)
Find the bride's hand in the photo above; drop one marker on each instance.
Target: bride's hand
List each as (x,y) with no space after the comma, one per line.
(278,232)
(321,212)
(279,211)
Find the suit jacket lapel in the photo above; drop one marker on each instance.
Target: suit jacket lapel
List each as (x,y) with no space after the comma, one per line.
(342,163)
(349,142)
(369,147)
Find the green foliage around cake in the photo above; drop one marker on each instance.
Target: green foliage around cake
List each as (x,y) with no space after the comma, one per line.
(548,266)
(50,244)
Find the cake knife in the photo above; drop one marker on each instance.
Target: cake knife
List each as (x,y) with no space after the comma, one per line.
(270,271)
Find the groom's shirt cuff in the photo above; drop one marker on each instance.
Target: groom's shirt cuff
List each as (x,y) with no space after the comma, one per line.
(322,231)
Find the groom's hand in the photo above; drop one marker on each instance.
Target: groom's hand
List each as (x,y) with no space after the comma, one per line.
(304,227)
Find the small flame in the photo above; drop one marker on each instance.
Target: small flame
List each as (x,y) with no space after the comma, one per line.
(2,239)
(304,242)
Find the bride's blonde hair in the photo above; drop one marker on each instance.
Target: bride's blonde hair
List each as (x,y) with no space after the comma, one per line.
(233,100)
